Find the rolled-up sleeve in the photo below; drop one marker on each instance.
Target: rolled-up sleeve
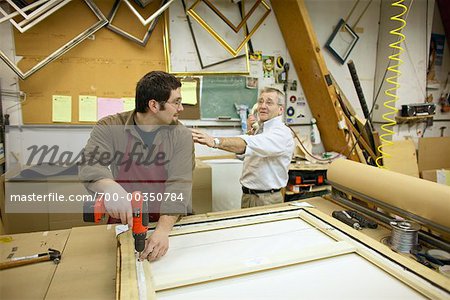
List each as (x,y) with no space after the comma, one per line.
(91,168)
(272,143)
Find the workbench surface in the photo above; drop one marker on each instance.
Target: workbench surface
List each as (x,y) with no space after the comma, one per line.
(88,264)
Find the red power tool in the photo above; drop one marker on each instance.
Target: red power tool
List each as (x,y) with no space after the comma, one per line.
(94,211)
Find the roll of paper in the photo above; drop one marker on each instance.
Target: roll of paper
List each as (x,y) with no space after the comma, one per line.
(421,197)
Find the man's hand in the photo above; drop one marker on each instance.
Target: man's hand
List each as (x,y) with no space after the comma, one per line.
(119,209)
(250,121)
(202,138)
(156,245)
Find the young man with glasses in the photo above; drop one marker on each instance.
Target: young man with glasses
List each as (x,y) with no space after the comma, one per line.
(267,152)
(145,150)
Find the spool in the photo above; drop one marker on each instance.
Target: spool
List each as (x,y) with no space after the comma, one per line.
(445,270)
(438,256)
(404,236)
(290,111)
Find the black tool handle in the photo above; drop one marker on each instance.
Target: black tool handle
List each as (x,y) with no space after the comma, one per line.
(341,216)
(363,221)
(88,211)
(359,91)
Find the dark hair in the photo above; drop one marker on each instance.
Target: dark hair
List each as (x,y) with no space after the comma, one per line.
(155,85)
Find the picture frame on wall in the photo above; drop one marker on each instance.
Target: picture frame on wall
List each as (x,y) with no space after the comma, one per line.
(342,41)
(191,50)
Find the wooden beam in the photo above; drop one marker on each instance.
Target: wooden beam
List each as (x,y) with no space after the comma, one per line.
(301,42)
(444,9)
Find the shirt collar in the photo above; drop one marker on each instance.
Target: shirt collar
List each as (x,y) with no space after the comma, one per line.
(272,122)
(129,123)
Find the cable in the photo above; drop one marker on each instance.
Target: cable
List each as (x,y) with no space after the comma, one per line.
(378,91)
(20,96)
(362,14)
(310,154)
(381,85)
(389,116)
(347,133)
(351,11)
(375,100)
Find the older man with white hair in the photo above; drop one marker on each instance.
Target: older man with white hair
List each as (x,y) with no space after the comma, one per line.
(267,151)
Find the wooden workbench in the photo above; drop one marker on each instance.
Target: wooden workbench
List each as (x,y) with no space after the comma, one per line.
(88,265)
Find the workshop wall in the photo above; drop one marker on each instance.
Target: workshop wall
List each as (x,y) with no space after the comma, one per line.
(413,84)
(324,15)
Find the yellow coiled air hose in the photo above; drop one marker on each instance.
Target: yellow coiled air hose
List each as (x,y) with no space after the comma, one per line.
(392,80)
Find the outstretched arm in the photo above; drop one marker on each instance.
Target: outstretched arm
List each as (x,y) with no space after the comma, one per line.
(230,144)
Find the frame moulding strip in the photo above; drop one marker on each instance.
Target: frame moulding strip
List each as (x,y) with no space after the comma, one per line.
(283,260)
(418,269)
(237,223)
(127,273)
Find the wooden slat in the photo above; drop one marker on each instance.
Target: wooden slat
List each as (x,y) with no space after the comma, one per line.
(288,258)
(425,272)
(305,51)
(127,274)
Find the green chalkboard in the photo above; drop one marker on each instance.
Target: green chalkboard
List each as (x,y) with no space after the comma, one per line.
(220,93)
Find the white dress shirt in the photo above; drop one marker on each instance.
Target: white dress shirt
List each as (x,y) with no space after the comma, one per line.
(267,156)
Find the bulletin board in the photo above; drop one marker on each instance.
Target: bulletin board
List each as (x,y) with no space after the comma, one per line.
(220,93)
(105,65)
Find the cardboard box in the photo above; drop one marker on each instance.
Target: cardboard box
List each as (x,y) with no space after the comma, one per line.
(434,153)
(441,176)
(201,188)
(429,175)
(63,215)
(434,159)
(20,222)
(402,158)
(32,216)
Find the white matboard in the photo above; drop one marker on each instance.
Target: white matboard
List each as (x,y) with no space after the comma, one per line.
(344,277)
(260,245)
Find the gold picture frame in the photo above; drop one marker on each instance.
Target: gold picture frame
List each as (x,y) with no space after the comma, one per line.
(182,52)
(233,51)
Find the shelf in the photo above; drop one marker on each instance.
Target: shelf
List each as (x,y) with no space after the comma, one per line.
(433,86)
(415,119)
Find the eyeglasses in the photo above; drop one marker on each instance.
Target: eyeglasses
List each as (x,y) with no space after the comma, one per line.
(176,103)
(269,102)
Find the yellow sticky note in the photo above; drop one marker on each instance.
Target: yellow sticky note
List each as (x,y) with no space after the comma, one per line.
(128,104)
(189,92)
(61,108)
(87,108)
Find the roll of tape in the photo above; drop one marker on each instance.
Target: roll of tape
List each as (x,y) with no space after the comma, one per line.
(445,270)
(290,111)
(438,256)
(293,99)
(280,62)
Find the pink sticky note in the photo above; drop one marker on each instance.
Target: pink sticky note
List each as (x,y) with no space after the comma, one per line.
(108,106)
